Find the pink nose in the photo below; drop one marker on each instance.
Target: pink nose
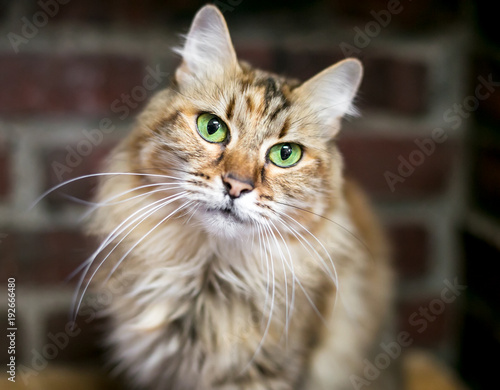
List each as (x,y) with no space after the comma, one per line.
(236,186)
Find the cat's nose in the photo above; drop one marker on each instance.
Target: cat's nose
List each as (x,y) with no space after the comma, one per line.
(236,186)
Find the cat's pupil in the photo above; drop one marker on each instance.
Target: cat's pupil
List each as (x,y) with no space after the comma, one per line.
(212,126)
(286,151)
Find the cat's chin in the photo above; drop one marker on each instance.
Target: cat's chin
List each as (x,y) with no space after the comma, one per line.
(225,224)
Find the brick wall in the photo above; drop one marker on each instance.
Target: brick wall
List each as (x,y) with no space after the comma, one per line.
(70,67)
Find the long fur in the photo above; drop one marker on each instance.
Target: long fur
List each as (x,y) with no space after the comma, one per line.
(290,289)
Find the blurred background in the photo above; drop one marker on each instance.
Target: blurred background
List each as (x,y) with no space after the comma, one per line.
(74,73)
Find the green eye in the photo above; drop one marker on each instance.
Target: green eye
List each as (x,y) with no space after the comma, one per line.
(212,128)
(285,155)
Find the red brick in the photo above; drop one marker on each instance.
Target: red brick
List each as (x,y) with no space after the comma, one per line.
(43,258)
(305,63)
(389,83)
(132,12)
(173,12)
(52,256)
(91,11)
(393,84)
(425,328)
(369,159)
(410,247)
(51,84)
(258,54)
(66,163)
(413,15)
(80,341)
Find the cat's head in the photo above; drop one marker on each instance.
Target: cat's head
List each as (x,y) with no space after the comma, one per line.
(247,148)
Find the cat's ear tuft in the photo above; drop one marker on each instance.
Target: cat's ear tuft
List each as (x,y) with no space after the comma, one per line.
(331,92)
(208,48)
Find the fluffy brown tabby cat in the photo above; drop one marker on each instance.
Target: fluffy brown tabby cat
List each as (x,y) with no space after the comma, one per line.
(250,263)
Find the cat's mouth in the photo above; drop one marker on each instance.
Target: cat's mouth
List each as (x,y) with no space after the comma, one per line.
(224,221)
(227,212)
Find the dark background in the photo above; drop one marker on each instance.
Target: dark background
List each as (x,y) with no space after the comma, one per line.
(423,65)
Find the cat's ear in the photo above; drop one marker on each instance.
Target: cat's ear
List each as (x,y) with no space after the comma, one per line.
(208,48)
(331,92)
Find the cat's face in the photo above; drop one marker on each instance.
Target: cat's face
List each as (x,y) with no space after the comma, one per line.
(247,149)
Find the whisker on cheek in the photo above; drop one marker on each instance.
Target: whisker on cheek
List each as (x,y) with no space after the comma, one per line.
(298,235)
(144,213)
(194,210)
(106,203)
(289,263)
(352,234)
(273,295)
(308,297)
(145,236)
(94,175)
(109,201)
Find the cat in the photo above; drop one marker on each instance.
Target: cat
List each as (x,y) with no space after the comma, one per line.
(251,262)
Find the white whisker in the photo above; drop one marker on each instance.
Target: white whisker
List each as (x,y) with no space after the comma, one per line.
(194,210)
(56,187)
(304,241)
(271,309)
(353,235)
(283,261)
(334,276)
(264,255)
(107,201)
(310,300)
(144,237)
(114,234)
(289,309)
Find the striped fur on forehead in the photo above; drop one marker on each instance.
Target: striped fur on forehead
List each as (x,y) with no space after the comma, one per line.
(254,102)
(266,94)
